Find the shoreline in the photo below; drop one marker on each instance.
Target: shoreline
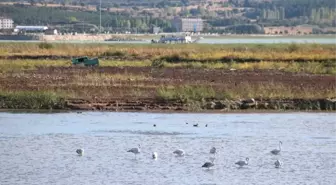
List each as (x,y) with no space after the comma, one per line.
(212,105)
(176,106)
(249,111)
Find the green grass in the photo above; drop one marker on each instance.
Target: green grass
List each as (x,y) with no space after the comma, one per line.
(21,65)
(30,100)
(327,67)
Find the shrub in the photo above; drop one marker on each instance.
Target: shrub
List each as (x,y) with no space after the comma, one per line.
(45,45)
(158,64)
(293,47)
(114,53)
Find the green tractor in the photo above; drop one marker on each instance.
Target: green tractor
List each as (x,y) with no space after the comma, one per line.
(85,61)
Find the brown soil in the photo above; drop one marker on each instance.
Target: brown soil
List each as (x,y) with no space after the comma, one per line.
(45,78)
(172,59)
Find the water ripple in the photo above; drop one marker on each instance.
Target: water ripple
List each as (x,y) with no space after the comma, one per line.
(142,132)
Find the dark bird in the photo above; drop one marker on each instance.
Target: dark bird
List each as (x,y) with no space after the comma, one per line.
(195,125)
(80,152)
(154,125)
(278,164)
(209,164)
(242,163)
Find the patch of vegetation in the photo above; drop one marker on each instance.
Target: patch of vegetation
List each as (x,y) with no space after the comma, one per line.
(180,53)
(114,53)
(158,64)
(293,47)
(45,45)
(30,100)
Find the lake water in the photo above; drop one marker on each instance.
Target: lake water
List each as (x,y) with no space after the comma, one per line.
(40,148)
(226,40)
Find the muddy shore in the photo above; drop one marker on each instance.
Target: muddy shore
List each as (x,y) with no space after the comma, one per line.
(207,106)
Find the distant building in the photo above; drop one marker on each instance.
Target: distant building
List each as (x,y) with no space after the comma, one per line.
(6,23)
(30,28)
(51,32)
(156,30)
(188,24)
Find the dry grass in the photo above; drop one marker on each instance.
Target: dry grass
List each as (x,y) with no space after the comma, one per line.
(104,79)
(271,90)
(266,52)
(306,67)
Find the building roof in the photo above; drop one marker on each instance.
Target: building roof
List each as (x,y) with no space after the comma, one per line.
(31,27)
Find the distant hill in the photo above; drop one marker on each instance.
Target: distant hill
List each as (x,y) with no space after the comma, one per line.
(141,15)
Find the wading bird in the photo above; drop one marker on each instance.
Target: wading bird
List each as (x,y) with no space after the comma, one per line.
(154,155)
(179,152)
(242,163)
(277,151)
(135,151)
(213,150)
(278,164)
(209,164)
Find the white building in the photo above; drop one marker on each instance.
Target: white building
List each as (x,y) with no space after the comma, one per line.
(31,28)
(188,24)
(6,23)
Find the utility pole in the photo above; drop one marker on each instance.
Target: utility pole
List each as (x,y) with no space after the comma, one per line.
(100,16)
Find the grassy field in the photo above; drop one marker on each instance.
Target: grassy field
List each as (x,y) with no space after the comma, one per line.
(177,53)
(186,73)
(327,67)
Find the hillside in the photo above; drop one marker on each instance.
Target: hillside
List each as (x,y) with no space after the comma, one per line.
(141,15)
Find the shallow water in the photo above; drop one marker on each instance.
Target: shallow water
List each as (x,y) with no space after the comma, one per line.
(40,148)
(324,39)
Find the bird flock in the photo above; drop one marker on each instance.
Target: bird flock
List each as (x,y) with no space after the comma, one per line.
(209,164)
